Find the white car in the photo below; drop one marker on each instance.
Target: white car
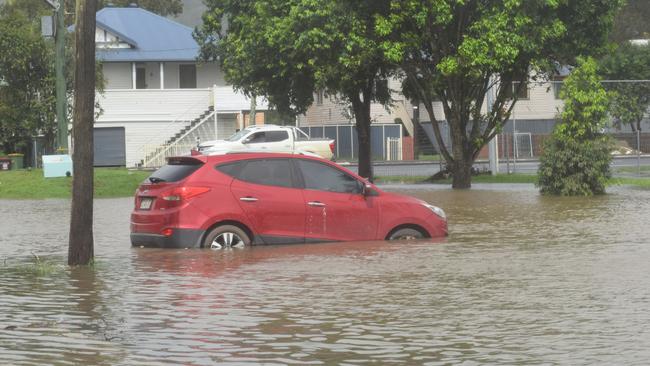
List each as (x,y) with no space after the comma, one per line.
(271,138)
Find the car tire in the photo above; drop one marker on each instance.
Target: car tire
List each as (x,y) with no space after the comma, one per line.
(406,234)
(226,236)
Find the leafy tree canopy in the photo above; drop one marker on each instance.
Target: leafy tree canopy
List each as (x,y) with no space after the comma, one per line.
(632,21)
(287,50)
(629,101)
(458,51)
(26,80)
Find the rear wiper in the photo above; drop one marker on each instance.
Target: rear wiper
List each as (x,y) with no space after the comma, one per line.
(156,180)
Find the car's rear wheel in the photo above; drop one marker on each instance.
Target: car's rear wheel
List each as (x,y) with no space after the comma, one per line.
(406,234)
(226,236)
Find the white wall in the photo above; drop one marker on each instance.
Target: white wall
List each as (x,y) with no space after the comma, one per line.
(152,104)
(118,75)
(208,75)
(540,105)
(226,125)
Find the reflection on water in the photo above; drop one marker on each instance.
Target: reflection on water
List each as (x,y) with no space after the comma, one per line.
(522,279)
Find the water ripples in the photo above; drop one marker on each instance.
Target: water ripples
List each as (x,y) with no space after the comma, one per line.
(522,279)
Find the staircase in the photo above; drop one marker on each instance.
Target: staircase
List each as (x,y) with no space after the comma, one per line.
(182,142)
(424,142)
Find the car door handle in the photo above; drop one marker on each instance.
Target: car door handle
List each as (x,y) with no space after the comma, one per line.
(248,199)
(316,204)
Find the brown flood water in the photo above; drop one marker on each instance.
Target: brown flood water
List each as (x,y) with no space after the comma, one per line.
(522,279)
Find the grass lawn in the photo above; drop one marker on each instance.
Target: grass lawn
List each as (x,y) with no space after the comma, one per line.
(120,182)
(633,169)
(30,184)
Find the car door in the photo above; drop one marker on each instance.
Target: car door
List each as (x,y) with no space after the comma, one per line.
(266,193)
(336,208)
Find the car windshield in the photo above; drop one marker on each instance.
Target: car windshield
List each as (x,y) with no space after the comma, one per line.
(238,135)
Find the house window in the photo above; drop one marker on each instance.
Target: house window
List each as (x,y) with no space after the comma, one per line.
(187,76)
(140,78)
(319,97)
(515,88)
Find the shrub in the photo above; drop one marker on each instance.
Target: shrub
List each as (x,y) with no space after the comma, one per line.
(572,168)
(576,159)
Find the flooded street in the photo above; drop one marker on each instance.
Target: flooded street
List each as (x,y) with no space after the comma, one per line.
(522,279)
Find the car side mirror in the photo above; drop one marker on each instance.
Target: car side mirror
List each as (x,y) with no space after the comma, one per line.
(246,140)
(366,189)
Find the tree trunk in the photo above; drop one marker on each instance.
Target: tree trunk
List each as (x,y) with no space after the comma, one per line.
(362,118)
(80,247)
(253,112)
(461,166)
(461,171)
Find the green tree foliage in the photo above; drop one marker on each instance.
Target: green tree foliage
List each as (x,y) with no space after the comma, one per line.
(287,50)
(26,78)
(632,21)
(576,158)
(629,101)
(460,50)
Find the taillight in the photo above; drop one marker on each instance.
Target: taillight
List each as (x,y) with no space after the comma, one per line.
(183,193)
(167,232)
(332,146)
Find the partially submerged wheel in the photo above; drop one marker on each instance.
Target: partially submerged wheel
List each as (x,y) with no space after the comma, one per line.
(406,234)
(226,236)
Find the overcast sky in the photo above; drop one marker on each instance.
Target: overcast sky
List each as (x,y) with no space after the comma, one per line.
(192,11)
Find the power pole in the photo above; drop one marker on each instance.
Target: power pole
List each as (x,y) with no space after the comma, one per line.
(81,245)
(59,65)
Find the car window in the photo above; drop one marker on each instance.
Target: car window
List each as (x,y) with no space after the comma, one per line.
(256,138)
(238,135)
(325,178)
(175,170)
(276,136)
(230,169)
(270,172)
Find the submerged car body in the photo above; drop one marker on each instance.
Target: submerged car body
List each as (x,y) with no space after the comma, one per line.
(266,198)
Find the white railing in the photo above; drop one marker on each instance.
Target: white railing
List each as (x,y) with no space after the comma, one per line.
(393,148)
(156,157)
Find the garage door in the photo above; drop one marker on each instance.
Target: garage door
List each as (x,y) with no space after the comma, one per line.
(110,146)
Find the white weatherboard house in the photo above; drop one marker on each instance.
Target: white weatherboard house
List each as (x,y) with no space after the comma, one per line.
(158,98)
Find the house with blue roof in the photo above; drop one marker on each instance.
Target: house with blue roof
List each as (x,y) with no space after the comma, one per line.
(158,100)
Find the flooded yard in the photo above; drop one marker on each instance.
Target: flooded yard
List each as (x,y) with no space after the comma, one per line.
(522,279)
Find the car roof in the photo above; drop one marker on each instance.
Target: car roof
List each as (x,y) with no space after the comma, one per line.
(267,127)
(244,155)
(241,155)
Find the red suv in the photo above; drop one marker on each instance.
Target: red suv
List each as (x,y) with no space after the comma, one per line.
(265,198)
